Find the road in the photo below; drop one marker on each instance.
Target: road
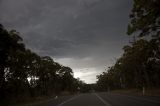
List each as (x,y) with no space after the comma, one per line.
(102,99)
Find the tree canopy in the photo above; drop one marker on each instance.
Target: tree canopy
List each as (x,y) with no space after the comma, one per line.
(24,73)
(145,18)
(139,65)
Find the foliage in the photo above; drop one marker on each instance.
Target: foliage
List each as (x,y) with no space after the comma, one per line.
(145,18)
(23,73)
(140,63)
(138,66)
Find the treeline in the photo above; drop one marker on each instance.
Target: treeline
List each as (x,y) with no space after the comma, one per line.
(139,65)
(25,74)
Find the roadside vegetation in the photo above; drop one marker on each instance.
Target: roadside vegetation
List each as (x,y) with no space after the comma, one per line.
(139,65)
(24,75)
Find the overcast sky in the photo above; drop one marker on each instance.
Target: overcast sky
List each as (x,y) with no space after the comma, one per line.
(87,35)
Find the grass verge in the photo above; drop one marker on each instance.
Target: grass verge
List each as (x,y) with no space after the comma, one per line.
(148,92)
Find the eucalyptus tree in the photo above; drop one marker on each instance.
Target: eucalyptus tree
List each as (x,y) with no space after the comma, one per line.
(24,73)
(145,21)
(145,18)
(10,44)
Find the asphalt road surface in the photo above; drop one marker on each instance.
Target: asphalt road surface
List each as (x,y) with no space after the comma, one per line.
(102,99)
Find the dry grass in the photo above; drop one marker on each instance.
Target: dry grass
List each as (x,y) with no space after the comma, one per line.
(32,101)
(41,99)
(148,92)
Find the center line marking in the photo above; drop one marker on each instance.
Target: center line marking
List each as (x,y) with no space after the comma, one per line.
(102,100)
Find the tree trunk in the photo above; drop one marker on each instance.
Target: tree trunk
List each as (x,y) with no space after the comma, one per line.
(1,82)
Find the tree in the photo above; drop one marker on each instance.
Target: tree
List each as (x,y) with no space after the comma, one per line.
(140,62)
(10,42)
(145,18)
(136,68)
(66,75)
(25,74)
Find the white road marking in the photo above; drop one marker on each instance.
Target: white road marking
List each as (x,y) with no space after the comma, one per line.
(102,100)
(68,100)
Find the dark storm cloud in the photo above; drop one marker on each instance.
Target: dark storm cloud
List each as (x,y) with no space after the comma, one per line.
(78,33)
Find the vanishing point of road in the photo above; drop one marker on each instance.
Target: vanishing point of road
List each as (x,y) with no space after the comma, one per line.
(102,99)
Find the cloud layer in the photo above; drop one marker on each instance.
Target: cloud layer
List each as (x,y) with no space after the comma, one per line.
(83,34)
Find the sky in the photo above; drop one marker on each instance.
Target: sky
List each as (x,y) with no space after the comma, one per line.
(86,35)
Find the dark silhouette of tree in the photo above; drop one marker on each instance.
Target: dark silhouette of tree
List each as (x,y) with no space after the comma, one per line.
(145,18)
(25,74)
(138,66)
(10,43)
